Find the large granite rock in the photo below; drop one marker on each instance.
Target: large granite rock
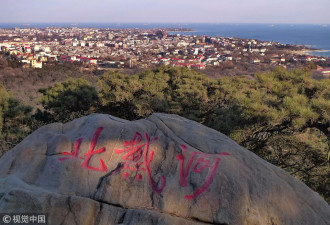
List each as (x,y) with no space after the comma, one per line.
(162,170)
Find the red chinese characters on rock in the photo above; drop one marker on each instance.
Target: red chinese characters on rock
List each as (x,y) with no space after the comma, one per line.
(138,157)
(198,162)
(85,164)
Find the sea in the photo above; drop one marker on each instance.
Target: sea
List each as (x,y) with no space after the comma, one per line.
(312,35)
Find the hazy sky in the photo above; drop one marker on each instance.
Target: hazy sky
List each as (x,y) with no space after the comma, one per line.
(182,11)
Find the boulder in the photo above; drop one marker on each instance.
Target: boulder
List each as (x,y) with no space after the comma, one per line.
(165,169)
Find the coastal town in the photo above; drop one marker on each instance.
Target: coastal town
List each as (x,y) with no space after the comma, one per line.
(143,48)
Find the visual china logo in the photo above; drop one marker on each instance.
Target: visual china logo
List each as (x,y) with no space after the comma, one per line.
(23,218)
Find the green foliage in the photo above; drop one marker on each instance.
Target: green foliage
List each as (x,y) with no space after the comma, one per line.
(117,94)
(4,97)
(283,117)
(170,90)
(70,99)
(15,121)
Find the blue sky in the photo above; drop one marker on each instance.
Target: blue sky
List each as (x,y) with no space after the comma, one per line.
(161,11)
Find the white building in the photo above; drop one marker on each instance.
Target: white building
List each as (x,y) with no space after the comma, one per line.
(36,64)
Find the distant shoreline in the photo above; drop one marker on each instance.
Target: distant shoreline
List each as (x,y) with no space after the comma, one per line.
(319,50)
(308,51)
(180,30)
(183,31)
